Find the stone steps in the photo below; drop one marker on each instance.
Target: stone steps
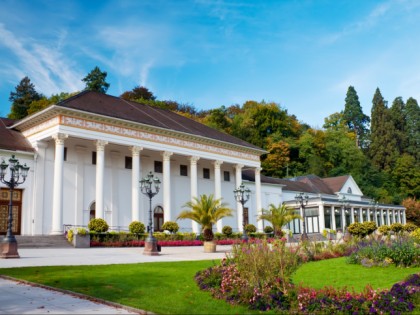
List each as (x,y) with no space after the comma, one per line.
(44,241)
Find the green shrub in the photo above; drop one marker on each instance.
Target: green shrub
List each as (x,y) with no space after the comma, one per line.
(98,225)
(397,227)
(384,229)
(268,229)
(227,230)
(82,231)
(370,227)
(410,227)
(136,227)
(70,235)
(250,228)
(170,226)
(416,235)
(357,229)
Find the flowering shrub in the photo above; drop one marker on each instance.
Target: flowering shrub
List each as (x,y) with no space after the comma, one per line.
(250,228)
(362,229)
(410,227)
(384,229)
(416,235)
(397,227)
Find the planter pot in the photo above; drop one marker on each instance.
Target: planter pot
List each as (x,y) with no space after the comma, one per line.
(81,241)
(210,247)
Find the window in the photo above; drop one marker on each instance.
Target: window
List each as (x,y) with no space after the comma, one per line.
(183,170)
(128,162)
(158,167)
(94,158)
(65,153)
(206,173)
(226,176)
(349,191)
(157,219)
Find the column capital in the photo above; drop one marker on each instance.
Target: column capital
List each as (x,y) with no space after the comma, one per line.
(193,159)
(59,138)
(217,163)
(239,166)
(166,155)
(258,170)
(100,145)
(136,150)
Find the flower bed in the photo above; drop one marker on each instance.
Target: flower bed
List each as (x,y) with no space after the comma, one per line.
(161,243)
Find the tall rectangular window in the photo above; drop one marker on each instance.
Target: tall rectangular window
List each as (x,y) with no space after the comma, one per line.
(206,173)
(226,176)
(65,153)
(128,162)
(183,170)
(158,167)
(94,157)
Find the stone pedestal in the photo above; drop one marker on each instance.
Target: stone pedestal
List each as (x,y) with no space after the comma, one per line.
(9,250)
(81,241)
(150,247)
(210,247)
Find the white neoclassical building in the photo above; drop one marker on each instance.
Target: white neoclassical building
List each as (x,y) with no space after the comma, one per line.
(88,153)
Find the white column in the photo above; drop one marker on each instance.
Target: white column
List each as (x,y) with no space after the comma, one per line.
(39,191)
(194,187)
(100,170)
(399,216)
(57,215)
(80,184)
(333,223)
(368,215)
(404,219)
(258,202)
(351,215)
(388,220)
(381,217)
(321,217)
(361,215)
(239,210)
(375,215)
(343,218)
(393,216)
(167,215)
(113,218)
(135,183)
(218,189)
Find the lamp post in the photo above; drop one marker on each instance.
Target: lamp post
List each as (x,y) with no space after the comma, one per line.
(242,196)
(302,201)
(146,185)
(18,174)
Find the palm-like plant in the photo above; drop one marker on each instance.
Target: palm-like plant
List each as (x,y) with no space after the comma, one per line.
(278,216)
(206,211)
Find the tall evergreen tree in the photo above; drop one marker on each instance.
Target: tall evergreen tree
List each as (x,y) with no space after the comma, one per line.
(398,118)
(22,98)
(353,115)
(382,147)
(95,81)
(412,118)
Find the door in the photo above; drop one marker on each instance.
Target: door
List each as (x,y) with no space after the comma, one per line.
(158,219)
(16,210)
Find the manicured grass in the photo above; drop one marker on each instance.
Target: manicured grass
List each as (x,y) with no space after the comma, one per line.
(337,273)
(164,288)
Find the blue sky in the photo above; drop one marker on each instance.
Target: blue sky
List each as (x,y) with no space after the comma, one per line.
(300,54)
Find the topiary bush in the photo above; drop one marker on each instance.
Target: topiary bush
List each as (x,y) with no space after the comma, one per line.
(397,227)
(136,227)
(268,229)
(357,229)
(384,229)
(370,227)
(98,225)
(170,226)
(250,228)
(410,227)
(227,230)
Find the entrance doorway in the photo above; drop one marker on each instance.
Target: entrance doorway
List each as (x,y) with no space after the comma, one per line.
(158,219)
(16,210)
(92,211)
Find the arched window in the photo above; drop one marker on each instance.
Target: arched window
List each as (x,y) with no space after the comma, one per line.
(158,218)
(349,191)
(92,211)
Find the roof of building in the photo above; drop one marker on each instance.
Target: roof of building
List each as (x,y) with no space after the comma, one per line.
(308,183)
(11,139)
(111,106)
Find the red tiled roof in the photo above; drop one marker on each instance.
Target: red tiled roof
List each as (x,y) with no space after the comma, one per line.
(11,139)
(336,183)
(111,106)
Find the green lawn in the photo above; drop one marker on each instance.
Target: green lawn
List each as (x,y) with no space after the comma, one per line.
(169,288)
(337,273)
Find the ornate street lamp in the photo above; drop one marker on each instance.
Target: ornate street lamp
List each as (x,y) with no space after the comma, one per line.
(150,187)
(242,196)
(302,201)
(18,174)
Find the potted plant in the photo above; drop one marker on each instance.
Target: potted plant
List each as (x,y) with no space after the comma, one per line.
(206,211)
(81,239)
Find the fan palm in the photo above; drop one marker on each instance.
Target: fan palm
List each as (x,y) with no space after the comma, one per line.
(206,211)
(278,216)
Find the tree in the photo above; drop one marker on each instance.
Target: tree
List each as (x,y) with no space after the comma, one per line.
(277,160)
(406,175)
(397,112)
(217,119)
(278,216)
(138,93)
(412,119)
(95,81)
(206,211)
(382,149)
(21,99)
(44,102)
(353,115)
(412,210)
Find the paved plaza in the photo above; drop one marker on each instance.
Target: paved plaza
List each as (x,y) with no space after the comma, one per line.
(22,298)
